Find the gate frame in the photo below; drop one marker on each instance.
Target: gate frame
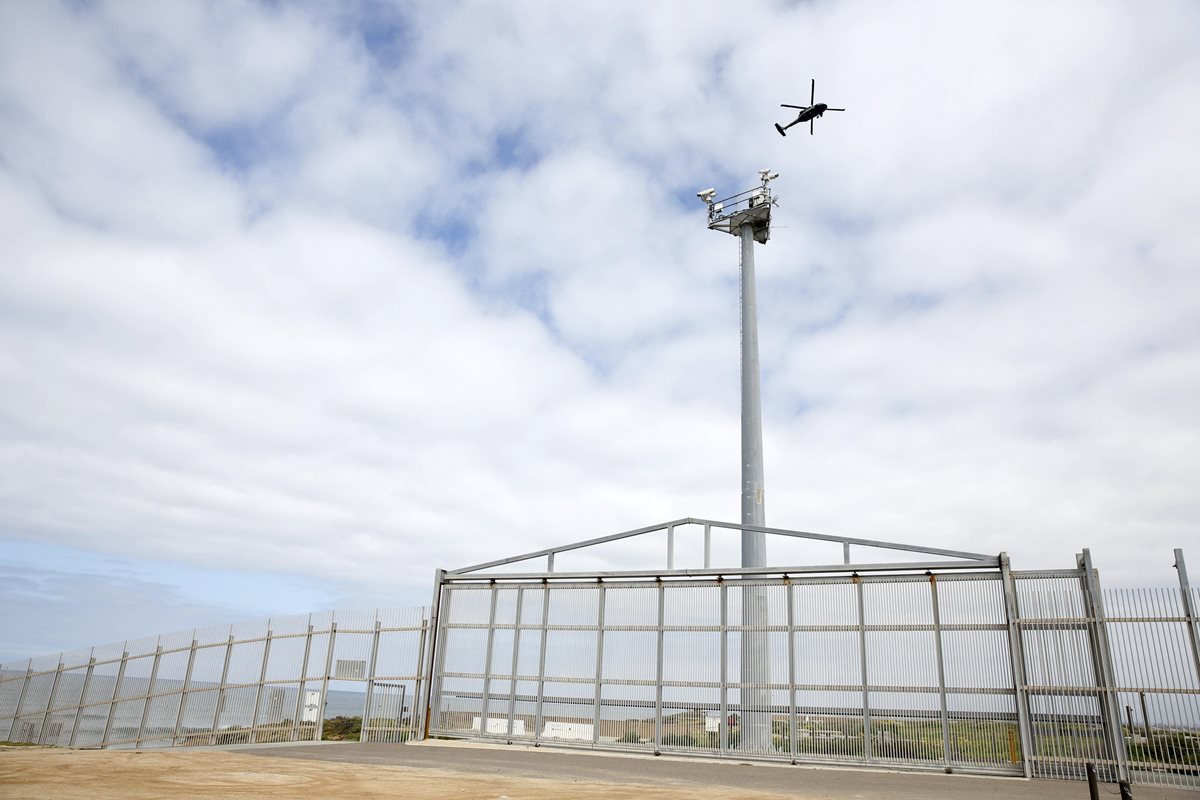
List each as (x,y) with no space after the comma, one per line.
(962,560)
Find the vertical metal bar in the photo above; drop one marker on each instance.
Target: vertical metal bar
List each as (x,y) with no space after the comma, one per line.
(1146,720)
(325,682)
(723,728)
(434,643)
(212,738)
(1016,653)
(658,688)
(184,690)
(845,552)
(707,546)
(487,665)
(50,700)
(512,697)
(416,717)
(941,668)
(262,685)
(791,645)
(303,682)
(670,547)
(550,562)
(20,699)
(149,694)
(87,681)
(1110,702)
(365,736)
(1189,610)
(599,666)
(112,706)
(868,750)
(541,684)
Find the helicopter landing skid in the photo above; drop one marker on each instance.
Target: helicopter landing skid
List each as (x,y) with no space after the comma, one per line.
(779,128)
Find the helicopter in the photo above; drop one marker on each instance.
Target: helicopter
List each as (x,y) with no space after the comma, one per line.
(807,113)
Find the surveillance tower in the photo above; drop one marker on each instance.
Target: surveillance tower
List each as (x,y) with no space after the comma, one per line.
(747,215)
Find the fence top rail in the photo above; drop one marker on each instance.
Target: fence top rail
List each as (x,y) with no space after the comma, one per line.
(731,572)
(708,523)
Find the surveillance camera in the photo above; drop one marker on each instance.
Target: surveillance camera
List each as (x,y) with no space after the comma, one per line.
(707,195)
(767,175)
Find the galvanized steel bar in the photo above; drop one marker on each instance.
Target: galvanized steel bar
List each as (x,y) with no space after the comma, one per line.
(434,644)
(221,689)
(1016,652)
(416,717)
(541,676)
(862,653)
(1189,610)
(1109,709)
(516,652)
(320,731)
(184,690)
(599,665)
(303,682)
(112,708)
(487,665)
(791,645)
(262,683)
(658,692)
(670,547)
(20,700)
(50,700)
(87,682)
(149,693)
(723,728)
(707,546)
(366,718)
(941,667)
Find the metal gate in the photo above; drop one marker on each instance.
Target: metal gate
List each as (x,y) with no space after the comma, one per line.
(957,664)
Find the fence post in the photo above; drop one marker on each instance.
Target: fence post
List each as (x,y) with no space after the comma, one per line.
(487,663)
(670,547)
(183,692)
(723,727)
(541,690)
(658,691)
(868,749)
(599,664)
(1109,707)
(416,717)
(20,699)
(512,698)
(303,681)
(1016,654)
(320,732)
(432,643)
(791,644)
(112,706)
(149,694)
(365,735)
(212,737)
(262,685)
(1189,610)
(941,667)
(87,680)
(50,700)
(707,546)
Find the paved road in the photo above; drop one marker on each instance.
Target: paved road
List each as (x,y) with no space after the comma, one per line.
(702,775)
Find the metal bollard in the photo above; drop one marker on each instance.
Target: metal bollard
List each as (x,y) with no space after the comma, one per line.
(1126,790)
(1093,785)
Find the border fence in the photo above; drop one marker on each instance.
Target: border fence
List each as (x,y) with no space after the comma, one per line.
(959,664)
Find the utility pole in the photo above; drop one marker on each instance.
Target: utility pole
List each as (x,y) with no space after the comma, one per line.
(747,215)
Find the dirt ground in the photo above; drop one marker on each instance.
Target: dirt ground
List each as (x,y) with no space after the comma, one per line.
(57,774)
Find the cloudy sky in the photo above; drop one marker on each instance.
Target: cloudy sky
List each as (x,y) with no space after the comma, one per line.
(300,302)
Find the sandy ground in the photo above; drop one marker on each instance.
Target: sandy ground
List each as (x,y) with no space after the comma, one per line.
(131,775)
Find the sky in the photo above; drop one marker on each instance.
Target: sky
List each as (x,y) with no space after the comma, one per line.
(300,302)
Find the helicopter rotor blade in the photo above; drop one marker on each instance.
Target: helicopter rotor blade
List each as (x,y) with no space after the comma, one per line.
(835,109)
(812,98)
(788,105)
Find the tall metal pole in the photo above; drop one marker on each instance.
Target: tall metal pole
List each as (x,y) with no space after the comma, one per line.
(756,670)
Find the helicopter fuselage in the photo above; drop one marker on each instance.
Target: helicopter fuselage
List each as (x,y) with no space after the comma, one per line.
(812,112)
